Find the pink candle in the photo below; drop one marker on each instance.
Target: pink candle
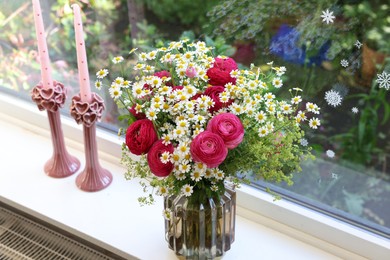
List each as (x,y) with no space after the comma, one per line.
(85,88)
(42,46)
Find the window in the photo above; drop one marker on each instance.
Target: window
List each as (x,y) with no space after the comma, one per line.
(338,52)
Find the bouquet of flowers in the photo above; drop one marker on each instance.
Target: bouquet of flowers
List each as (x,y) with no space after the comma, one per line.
(195,120)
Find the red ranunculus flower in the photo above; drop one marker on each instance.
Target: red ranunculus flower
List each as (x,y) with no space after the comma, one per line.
(137,115)
(229,127)
(140,136)
(214,92)
(209,149)
(219,74)
(157,167)
(162,74)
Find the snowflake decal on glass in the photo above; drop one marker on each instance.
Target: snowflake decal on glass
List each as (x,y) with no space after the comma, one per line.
(330,153)
(383,80)
(327,16)
(344,63)
(355,110)
(304,142)
(333,98)
(358,44)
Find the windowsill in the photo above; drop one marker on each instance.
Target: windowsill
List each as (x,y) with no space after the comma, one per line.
(113,219)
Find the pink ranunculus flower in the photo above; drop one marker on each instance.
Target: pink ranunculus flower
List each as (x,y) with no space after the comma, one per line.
(191,72)
(140,136)
(157,167)
(229,127)
(219,74)
(209,149)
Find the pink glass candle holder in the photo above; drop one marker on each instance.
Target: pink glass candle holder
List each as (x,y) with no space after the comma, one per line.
(93,177)
(61,164)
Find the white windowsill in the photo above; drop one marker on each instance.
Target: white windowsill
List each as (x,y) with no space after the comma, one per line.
(113,218)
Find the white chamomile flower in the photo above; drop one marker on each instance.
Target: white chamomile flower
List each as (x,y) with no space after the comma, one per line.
(269,96)
(286,109)
(98,84)
(184,166)
(151,114)
(117,59)
(301,116)
(330,153)
(196,176)
(165,157)
(263,131)
(101,73)
(296,100)
(208,173)
(383,80)
(260,117)
(151,55)
(277,82)
(167,213)
(311,107)
(187,190)
(214,188)
(115,92)
(333,98)
(355,110)
(163,191)
(327,16)
(200,167)
(314,123)
(219,175)
(344,63)
(180,175)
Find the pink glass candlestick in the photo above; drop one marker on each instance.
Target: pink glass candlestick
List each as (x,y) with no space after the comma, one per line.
(93,177)
(61,164)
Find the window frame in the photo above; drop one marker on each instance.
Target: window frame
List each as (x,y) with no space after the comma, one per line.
(307,225)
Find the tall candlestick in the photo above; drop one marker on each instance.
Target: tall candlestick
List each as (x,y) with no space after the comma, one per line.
(85,88)
(42,46)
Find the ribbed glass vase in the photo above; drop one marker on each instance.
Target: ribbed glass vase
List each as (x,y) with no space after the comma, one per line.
(201,227)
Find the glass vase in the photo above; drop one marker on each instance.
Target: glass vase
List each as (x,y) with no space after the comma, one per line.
(201,227)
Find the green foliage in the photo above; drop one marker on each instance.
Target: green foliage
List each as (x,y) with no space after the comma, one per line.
(374,21)
(186,12)
(361,143)
(269,158)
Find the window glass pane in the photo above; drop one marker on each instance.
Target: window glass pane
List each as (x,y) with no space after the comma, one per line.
(337,52)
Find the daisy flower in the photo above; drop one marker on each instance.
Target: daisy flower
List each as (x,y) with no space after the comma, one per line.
(187,190)
(165,157)
(101,73)
(355,110)
(117,59)
(263,131)
(163,191)
(214,188)
(98,84)
(167,213)
(296,100)
(277,82)
(260,117)
(115,92)
(314,123)
(196,176)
